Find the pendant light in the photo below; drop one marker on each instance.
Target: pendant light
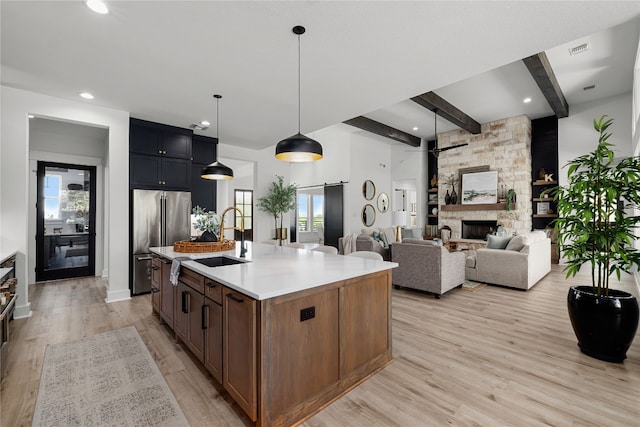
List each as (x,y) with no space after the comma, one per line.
(298,148)
(217,170)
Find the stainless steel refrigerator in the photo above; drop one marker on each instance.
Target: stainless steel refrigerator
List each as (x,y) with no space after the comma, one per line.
(159,218)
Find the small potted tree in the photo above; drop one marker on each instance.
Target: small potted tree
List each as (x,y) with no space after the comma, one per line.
(279,200)
(595,230)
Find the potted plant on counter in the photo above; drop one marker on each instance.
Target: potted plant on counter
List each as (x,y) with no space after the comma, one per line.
(595,230)
(279,200)
(207,223)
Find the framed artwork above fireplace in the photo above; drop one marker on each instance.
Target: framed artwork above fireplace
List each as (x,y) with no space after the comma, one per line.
(480,188)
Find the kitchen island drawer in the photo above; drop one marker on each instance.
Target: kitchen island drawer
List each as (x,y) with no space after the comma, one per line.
(192,279)
(213,290)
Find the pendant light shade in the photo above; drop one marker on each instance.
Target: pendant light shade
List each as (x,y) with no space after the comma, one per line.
(217,170)
(298,148)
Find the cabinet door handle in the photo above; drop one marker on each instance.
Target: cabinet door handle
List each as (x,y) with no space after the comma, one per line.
(211,285)
(205,316)
(234,298)
(185,302)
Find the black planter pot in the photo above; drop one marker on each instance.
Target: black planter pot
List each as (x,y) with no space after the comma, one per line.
(604,325)
(207,236)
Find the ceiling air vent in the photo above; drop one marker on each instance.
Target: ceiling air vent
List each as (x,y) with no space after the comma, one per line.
(579,49)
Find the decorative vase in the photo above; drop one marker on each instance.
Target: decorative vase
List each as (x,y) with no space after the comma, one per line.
(447,198)
(454,196)
(207,236)
(604,325)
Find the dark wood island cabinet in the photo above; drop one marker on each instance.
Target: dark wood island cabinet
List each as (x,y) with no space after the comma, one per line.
(284,358)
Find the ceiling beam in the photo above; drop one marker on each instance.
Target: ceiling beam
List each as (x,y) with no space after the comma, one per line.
(433,102)
(381,129)
(542,73)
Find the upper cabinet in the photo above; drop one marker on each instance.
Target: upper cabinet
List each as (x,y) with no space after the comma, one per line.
(160,156)
(159,140)
(203,191)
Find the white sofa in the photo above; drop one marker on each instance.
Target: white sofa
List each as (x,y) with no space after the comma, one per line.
(525,260)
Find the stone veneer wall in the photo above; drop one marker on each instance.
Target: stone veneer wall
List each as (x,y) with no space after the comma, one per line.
(505,146)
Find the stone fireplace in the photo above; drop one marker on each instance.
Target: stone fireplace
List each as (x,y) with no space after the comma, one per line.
(504,146)
(478,230)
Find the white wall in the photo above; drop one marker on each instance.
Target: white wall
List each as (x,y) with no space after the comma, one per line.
(266,167)
(352,156)
(576,135)
(16,105)
(243,179)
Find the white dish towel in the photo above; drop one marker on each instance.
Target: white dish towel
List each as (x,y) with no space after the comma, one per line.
(175,269)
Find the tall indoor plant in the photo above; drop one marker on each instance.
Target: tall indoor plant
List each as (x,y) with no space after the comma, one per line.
(595,230)
(279,200)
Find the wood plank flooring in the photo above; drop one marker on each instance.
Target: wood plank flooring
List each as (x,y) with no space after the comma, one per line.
(494,357)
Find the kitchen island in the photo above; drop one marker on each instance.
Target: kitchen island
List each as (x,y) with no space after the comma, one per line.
(286,331)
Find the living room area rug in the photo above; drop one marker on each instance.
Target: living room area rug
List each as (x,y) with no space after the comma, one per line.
(105,380)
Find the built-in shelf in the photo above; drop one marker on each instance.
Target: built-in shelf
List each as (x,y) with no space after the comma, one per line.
(432,190)
(541,199)
(432,216)
(435,203)
(477,207)
(545,216)
(536,183)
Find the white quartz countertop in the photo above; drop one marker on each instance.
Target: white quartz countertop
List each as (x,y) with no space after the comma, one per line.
(272,271)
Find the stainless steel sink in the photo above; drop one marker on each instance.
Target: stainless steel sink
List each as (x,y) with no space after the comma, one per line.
(219,261)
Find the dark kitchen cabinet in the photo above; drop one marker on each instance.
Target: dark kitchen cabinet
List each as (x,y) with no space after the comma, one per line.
(154,172)
(204,149)
(203,191)
(159,139)
(160,156)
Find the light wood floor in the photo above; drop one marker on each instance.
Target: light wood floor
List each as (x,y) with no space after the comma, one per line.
(494,357)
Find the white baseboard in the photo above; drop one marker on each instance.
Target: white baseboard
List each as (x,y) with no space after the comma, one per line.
(22,311)
(118,296)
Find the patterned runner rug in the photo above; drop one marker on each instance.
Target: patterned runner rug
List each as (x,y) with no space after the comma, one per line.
(104,380)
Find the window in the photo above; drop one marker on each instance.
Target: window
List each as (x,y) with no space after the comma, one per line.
(244,202)
(52,196)
(310,210)
(303,212)
(318,212)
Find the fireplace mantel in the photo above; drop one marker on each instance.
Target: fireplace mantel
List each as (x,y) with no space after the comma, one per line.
(476,207)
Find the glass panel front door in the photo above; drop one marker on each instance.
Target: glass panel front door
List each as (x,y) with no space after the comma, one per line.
(65,221)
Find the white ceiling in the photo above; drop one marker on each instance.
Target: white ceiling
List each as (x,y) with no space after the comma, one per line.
(163,60)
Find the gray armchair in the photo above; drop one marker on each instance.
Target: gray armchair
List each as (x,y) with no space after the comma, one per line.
(427,267)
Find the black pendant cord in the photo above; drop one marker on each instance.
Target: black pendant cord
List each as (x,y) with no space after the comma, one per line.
(299,107)
(217,97)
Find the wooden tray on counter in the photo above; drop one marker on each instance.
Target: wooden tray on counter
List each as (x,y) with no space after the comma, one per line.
(196,247)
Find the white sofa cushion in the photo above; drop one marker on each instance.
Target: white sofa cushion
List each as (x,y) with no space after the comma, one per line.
(497,242)
(517,243)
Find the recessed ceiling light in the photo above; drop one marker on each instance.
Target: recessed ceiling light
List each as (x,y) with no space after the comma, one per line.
(86,95)
(31,116)
(526,100)
(415,128)
(205,123)
(98,6)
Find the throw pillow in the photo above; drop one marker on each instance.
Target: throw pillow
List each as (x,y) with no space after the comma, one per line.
(497,242)
(517,243)
(384,240)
